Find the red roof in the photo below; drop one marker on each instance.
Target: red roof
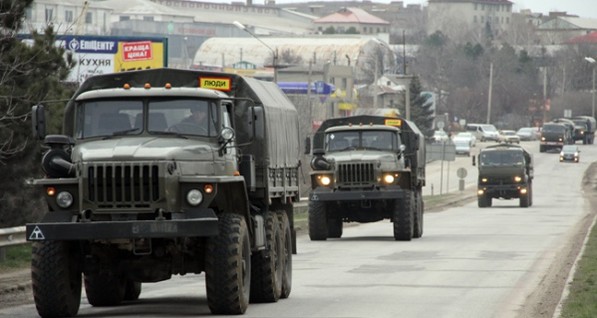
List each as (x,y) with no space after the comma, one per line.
(351,15)
(588,38)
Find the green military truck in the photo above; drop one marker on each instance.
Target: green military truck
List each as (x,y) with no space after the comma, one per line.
(505,172)
(134,198)
(366,169)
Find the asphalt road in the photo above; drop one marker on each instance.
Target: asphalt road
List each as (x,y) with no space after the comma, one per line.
(470,262)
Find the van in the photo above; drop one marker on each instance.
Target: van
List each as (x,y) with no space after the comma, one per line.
(483,132)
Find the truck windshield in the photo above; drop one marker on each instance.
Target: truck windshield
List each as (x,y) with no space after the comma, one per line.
(102,118)
(501,158)
(364,140)
(553,128)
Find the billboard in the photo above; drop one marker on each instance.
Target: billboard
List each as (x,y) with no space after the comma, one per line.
(96,55)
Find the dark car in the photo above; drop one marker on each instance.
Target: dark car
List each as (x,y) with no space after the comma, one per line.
(570,153)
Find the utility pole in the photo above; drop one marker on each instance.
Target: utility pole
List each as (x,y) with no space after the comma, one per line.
(489,93)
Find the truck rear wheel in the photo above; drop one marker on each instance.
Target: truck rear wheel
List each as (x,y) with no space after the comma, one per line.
(286,254)
(104,289)
(419,211)
(318,229)
(335,228)
(132,290)
(228,266)
(267,266)
(403,217)
(55,279)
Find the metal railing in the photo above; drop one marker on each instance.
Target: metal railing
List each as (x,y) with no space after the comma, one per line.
(10,237)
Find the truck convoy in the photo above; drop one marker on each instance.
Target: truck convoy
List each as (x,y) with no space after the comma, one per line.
(366,169)
(587,126)
(505,171)
(135,198)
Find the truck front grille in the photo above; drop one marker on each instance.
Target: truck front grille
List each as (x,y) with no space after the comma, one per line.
(123,185)
(355,174)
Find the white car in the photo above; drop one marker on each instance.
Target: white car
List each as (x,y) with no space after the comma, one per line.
(466,136)
(509,136)
(440,136)
(462,146)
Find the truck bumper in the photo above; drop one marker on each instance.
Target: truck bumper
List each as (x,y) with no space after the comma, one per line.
(58,226)
(325,194)
(506,191)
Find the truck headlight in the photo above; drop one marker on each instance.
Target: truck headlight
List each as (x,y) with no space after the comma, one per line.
(64,199)
(517,179)
(484,180)
(324,180)
(389,178)
(194,197)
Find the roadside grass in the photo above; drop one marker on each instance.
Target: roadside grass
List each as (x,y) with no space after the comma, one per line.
(582,300)
(17,257)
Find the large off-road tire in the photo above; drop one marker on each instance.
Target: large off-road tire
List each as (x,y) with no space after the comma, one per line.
(228,266)
(484,201)
(266,265)
(286,254)
(318,228)
(335,228)
(403,217)
(525,200)
(418,215)
(132,290)
(104,289)
(56,278)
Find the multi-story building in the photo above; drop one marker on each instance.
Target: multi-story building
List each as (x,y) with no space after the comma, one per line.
(458,18)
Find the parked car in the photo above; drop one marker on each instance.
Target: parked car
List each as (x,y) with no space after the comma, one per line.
(570,153)
(440,136)
(509,136)
(528,133)
(466,136)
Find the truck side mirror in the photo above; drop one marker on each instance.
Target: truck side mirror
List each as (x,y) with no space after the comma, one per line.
(307,145)
(474,161)
(38,121)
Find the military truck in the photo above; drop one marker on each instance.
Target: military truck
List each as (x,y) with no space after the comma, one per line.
(578,130)
(505,172)
(366,169)
(555,136)
(589,125)
(132,200)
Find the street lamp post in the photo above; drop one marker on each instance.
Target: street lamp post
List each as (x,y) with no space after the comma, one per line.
(274,52)
(592,61)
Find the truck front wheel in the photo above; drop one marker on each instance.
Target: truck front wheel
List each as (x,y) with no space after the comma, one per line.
(228,266)
(104,289)
(55,279)
(132,290)
(318,228)
(403,217)
(266,266)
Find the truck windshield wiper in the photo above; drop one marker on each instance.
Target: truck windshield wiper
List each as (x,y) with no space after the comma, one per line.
(122,132)
(174,133)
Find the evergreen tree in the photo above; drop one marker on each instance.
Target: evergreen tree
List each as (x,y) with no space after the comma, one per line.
(421,112)
(31,72)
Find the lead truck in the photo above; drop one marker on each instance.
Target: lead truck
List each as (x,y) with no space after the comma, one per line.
(131,200)
(366,169)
